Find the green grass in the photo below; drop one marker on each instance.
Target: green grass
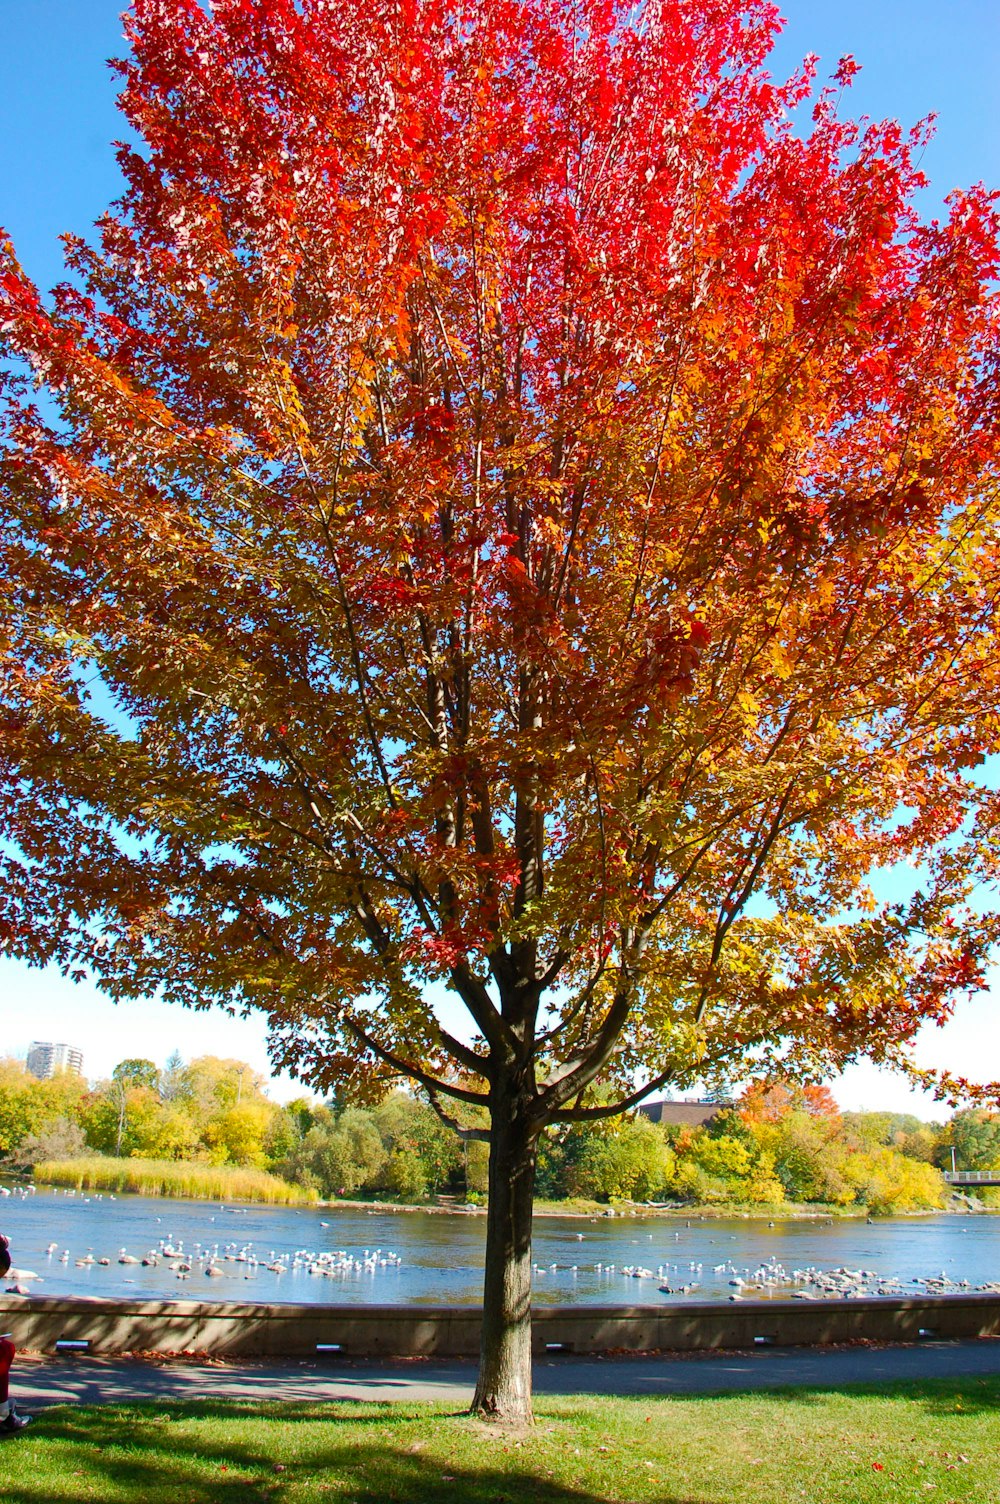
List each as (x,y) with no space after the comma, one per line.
(579,1206)
(936,1441)
(571,1206)
(165,1177)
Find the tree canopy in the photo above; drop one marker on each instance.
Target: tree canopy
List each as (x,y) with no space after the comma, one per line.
(514,507)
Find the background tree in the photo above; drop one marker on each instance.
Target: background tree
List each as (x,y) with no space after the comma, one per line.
(171,1084)
(631,1162)
(529,513)
(975,1136)
(338,1154)
(423,1151)
(283,1133)
(885,1182)
(121,1119)
(782,1143)
(237,1135)
(770,1101)
(135,1072)
(61,1138)
(897,1130)
(29,1107)
(213,1083)
(174,1133)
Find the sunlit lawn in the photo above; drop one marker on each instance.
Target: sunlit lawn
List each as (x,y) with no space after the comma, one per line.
(937,1441)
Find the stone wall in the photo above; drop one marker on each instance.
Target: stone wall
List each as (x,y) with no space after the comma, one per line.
(114,1326)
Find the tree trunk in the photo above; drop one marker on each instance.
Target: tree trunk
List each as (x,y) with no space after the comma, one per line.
(503,1392)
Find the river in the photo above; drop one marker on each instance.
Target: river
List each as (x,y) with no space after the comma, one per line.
(405,1258)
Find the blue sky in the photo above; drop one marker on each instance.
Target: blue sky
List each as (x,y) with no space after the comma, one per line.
(57,172)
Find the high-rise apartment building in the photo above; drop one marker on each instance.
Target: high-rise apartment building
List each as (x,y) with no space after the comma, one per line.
(45,1059)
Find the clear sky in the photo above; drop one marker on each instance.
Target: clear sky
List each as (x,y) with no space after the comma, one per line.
(57,172)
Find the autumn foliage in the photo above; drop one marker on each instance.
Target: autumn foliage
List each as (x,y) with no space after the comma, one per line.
(515,507)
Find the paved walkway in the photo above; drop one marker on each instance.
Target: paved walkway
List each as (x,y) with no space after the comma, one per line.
(44,1381)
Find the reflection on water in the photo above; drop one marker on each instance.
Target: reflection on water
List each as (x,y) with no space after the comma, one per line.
(385,1258)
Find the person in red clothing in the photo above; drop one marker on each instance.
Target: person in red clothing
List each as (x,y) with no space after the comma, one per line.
(10,1419)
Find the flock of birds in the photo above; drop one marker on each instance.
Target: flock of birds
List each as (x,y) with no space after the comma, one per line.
(211,1259)
(771,1277)
(768,1278)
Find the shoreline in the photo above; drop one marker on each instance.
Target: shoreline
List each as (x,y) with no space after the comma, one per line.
(548,1210)
(807,1212)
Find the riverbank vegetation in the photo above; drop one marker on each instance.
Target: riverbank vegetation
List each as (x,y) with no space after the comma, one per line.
(160,1177)
(906,1443)
(206,1128)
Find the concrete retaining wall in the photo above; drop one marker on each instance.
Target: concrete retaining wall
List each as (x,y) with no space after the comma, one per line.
(113,1326)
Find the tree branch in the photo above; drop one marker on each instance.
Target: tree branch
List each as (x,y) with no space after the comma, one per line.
(467,1135)
(594,1114)
(408,1068)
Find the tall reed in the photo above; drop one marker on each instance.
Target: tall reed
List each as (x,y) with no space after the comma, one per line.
(164,1177)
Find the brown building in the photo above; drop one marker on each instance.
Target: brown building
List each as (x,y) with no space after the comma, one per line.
(691,1114)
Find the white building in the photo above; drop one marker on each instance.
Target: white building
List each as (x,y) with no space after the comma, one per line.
(45,1059)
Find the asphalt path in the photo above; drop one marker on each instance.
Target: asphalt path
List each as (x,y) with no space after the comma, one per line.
(38,1381)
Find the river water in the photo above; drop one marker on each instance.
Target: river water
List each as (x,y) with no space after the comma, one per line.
(402,1258)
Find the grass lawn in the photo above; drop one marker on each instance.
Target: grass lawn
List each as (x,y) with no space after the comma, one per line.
(933,1441)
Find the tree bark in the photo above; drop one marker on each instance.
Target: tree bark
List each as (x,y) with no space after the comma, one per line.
(503,1391)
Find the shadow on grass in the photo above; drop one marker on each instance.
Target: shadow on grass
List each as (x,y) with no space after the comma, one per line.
(137,1453)
(223,1452)
(969,1394)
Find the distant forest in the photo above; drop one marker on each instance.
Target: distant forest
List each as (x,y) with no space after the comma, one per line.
(778,1144)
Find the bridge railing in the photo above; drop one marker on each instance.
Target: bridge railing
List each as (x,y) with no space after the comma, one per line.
(972,1177)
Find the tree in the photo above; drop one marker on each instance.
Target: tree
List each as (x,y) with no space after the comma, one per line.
(975,1137)
(887,1182)
(632,1162)
(423,1152)
(121,1119)
(808,1152)
(137,1072)
(23,1107)
(236,1135)
(211,1083)
(284,1131)
(511,510)
(897,1130)
(770,1101)
(339,1154)
(61,1138)
(172,1083)
(173,1133)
